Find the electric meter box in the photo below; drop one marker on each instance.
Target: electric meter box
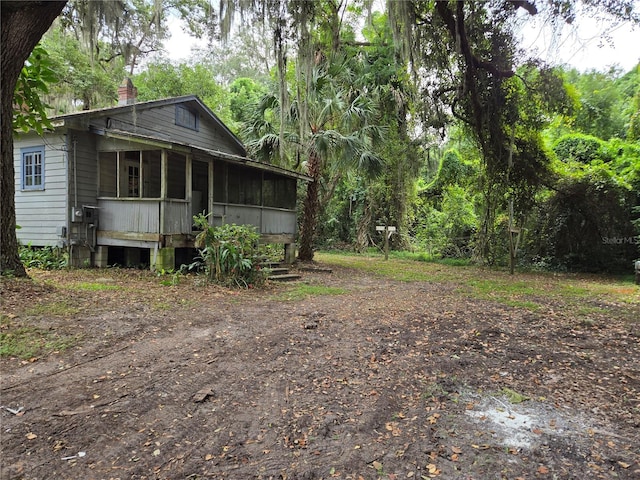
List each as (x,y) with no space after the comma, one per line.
(90,214)
(77,215)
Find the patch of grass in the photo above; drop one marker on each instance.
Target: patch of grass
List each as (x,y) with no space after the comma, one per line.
(530,291)
(415,256)
(301,291)
(571,290)
(585,310)
(23,341)
(513,396)
(162,306)
(93,287)
(394,268)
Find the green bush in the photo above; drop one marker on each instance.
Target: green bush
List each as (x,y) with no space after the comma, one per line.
(581,148)
(230,253)
(585,225)
(45,258)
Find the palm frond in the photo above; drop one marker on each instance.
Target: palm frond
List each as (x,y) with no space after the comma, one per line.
(265,148)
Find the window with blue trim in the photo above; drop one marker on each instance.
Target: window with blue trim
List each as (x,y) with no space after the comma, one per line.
(186,118)
(32,168)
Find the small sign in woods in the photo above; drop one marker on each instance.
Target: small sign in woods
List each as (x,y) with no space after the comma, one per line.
(389,230)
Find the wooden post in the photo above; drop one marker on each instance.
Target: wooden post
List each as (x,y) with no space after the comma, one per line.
(512,247)
(386,242)
(387,233)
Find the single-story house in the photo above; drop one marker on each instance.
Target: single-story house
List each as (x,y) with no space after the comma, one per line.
(126,181)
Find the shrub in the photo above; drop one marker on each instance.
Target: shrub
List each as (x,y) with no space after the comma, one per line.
(45,258)
(229,253)
(581,148)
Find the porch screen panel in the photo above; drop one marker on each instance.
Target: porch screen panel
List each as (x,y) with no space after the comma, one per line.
(151,173)
(176,181)
(279,192)
(219,182)
(286,193)
(108,165)
(200,187)
(245,186)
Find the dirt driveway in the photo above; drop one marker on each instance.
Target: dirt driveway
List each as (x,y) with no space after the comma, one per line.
(347,375)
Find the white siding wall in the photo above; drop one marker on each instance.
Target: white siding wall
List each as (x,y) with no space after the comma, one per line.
(40,212)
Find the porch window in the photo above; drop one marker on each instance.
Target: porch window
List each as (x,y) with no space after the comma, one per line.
(32,168)
(279,192)
(244,185)
(140,174)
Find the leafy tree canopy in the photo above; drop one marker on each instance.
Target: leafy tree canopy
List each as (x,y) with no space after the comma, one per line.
(30,111)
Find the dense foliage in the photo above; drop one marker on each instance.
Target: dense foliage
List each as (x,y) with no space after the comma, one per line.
(230,253)
(426,117)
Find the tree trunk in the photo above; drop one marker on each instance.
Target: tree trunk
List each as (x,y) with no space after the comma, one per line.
(362,227)
(310,210)
(22,25)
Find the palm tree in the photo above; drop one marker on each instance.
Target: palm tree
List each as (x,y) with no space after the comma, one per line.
(328,131)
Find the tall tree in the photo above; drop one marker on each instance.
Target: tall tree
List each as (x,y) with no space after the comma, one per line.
(132,29)
(470,51)
(313,30)
(340,137)
(164,79)
(22,25)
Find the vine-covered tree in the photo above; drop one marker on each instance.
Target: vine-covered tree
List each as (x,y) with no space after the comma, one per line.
(470,51)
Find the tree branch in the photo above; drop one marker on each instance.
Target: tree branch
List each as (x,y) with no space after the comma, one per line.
(524,4)
(457,30)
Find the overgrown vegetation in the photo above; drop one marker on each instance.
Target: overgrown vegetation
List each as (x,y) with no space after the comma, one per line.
(229,254)
(491,157)
(45,258)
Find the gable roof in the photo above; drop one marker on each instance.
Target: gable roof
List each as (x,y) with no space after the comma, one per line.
(71,119)
(192,100)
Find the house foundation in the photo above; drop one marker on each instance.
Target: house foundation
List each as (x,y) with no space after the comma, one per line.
(79,256)
(163,259)
(289,253)
(101,257)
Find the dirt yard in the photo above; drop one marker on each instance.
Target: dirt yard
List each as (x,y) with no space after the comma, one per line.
(345,375)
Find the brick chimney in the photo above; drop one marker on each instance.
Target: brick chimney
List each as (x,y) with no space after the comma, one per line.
(127,93)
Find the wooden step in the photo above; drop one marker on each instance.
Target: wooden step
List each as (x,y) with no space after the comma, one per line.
(270,264)
(277,270)
(285,277)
